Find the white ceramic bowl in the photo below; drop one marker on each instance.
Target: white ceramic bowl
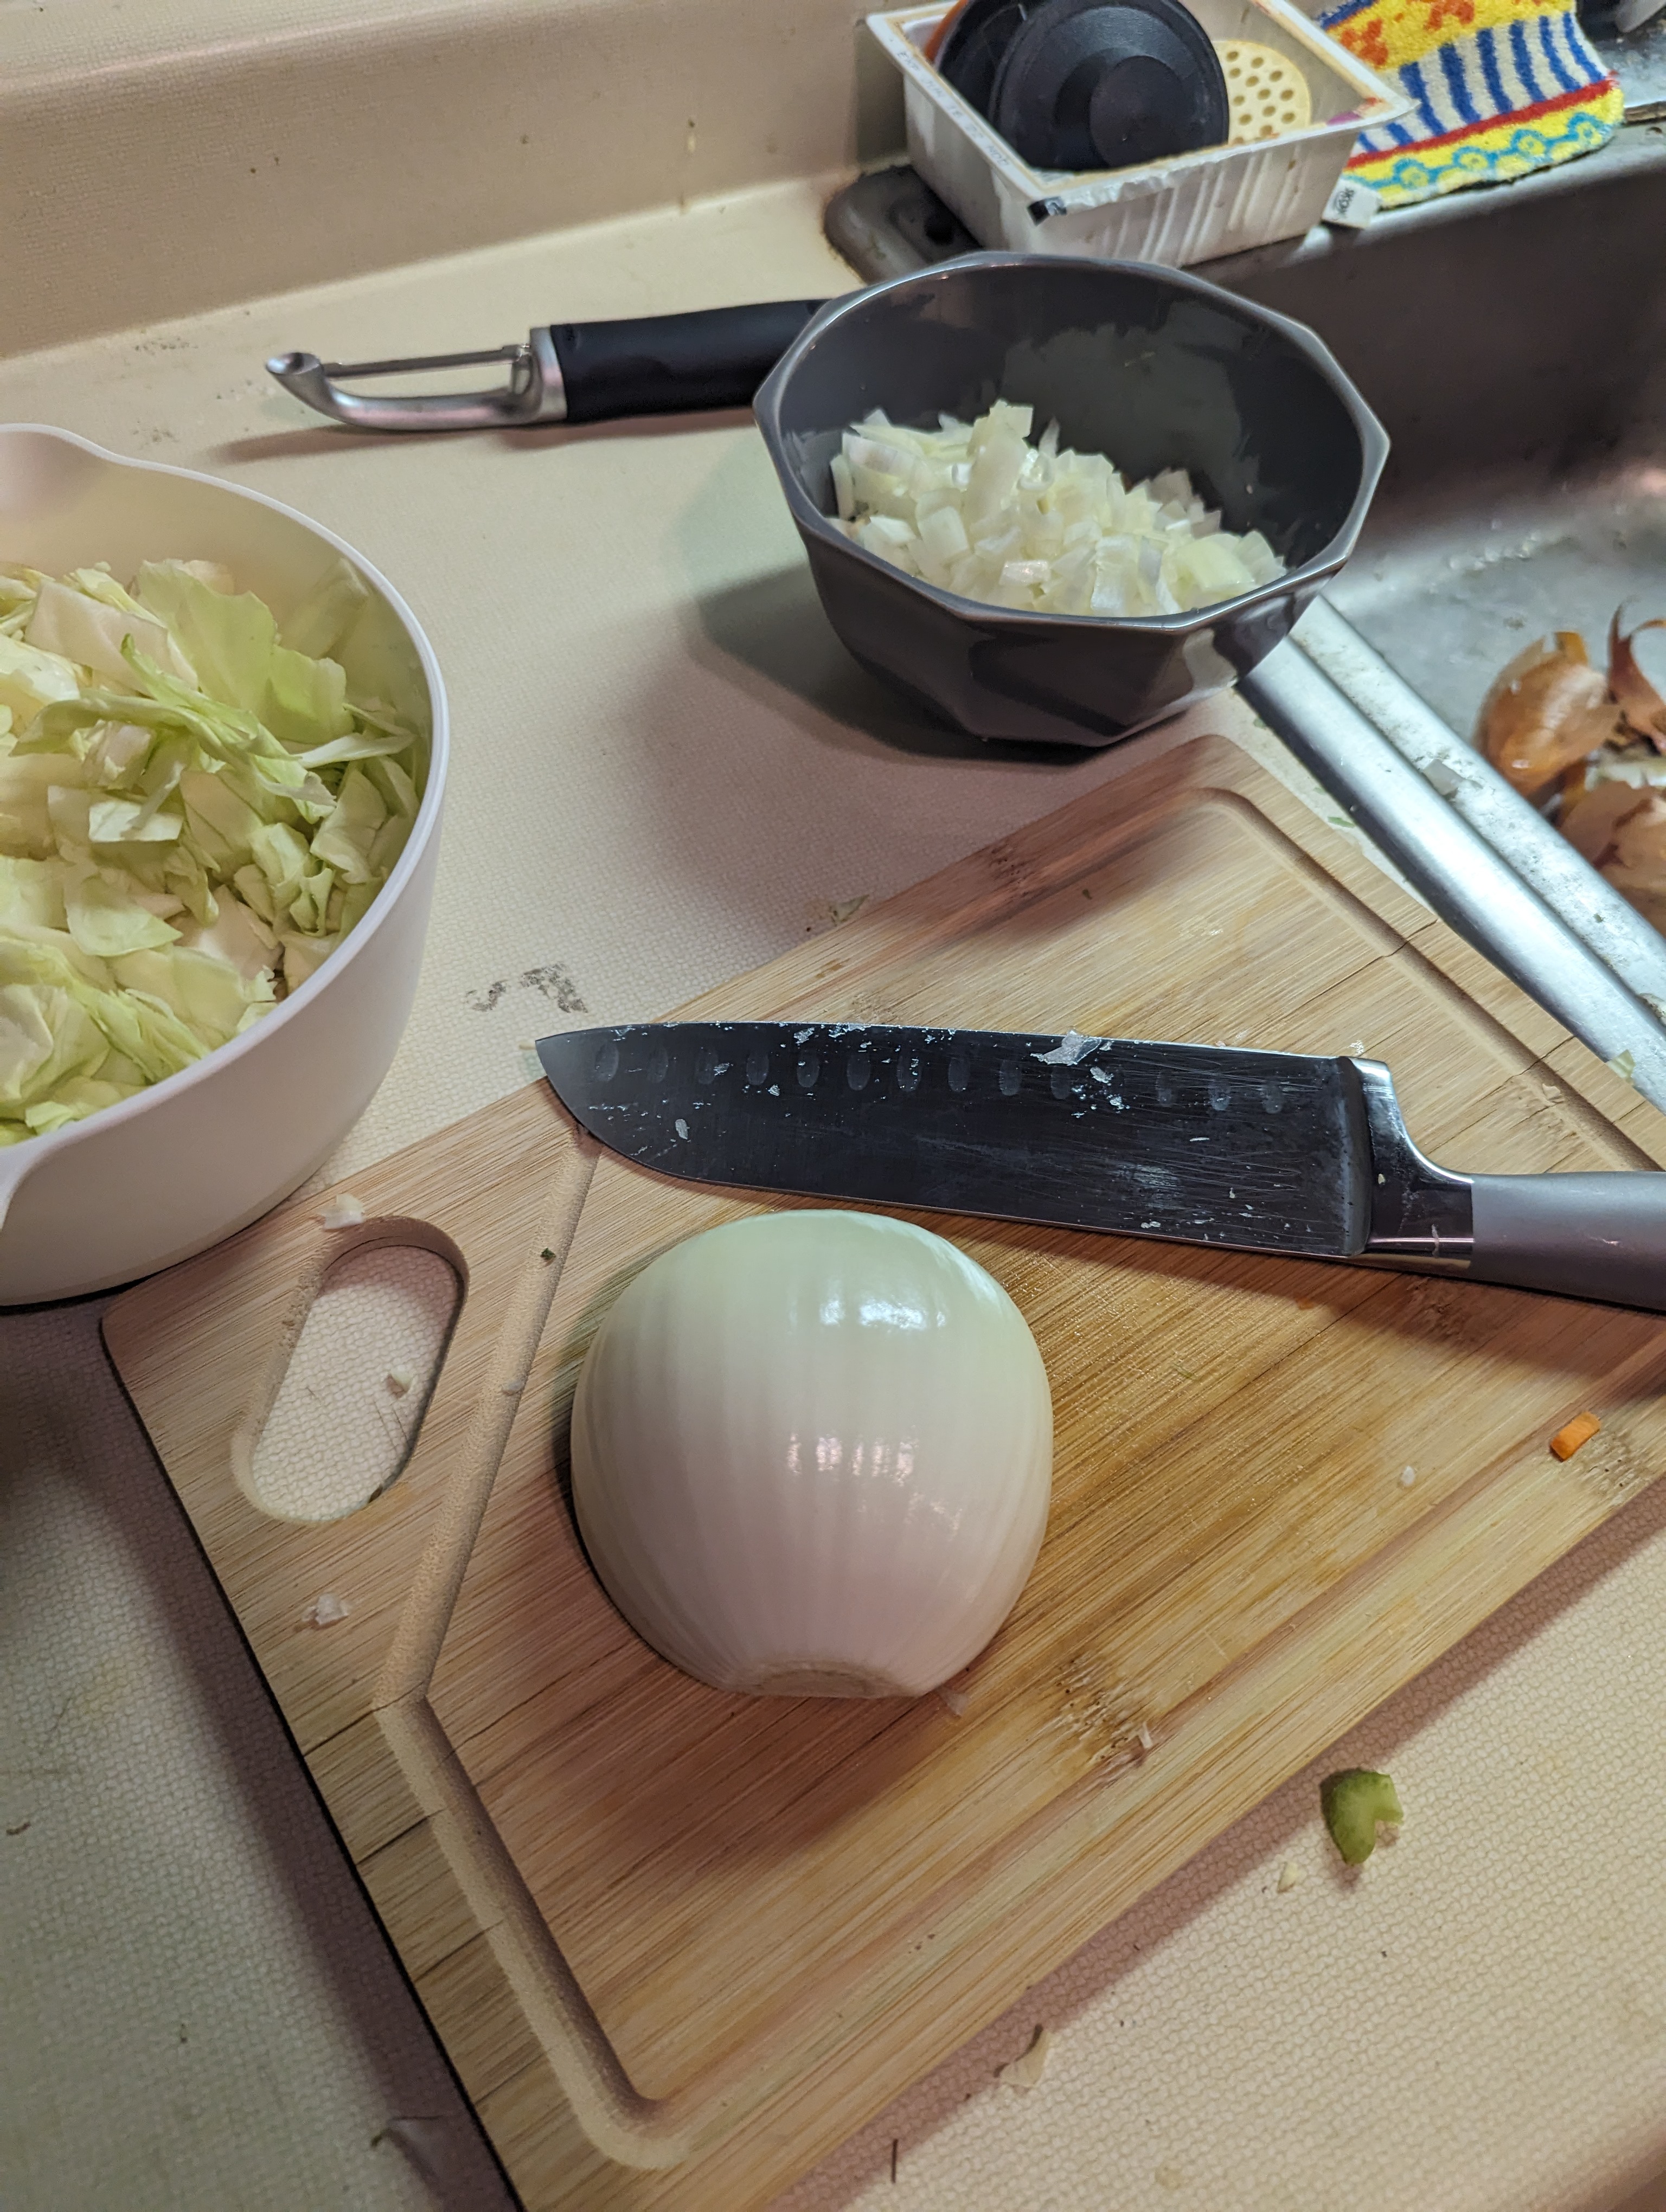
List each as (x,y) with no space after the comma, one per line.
(165,1173)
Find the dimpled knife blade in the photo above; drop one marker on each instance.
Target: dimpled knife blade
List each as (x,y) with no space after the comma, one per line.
(1262,1151)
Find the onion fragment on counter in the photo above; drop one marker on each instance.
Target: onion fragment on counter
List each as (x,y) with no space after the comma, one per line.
(976,508)
(1353,1803)
(1026,2071)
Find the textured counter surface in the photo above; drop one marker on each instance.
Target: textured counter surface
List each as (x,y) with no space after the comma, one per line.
(665,770)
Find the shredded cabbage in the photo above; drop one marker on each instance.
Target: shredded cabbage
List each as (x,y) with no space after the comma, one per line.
(976,508)
(193,814)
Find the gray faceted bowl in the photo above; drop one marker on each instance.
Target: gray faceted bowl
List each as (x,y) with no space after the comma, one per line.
(1156,369)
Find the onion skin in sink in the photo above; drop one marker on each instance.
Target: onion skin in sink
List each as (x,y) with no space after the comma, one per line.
(1591,824)
(1625,837)
(1595,744)
(1641,707)
(1547,710)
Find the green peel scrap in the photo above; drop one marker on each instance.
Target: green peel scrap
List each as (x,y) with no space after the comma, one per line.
(1353,1802)
(194,812)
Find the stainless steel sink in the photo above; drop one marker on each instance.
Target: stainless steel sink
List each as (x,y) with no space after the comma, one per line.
(1513,343)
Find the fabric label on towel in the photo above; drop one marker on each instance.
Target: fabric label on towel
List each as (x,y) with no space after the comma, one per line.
(1352,205)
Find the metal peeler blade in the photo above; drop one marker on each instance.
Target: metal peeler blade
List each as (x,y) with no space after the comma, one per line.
(535,392)
(588,372)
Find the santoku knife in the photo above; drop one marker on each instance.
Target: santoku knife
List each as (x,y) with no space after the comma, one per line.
(1260,1151)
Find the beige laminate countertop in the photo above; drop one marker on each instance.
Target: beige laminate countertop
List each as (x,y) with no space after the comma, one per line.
(665,770)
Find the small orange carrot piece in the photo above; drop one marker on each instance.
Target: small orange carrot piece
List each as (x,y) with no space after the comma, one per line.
(1579,1431)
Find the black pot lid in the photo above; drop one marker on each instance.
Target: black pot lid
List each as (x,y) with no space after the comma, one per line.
(977,38)
(1102,84)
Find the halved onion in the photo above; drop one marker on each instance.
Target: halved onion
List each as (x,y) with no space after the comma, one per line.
(812,1455)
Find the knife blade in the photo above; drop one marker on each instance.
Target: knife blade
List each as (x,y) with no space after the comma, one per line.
(1242,1148)
(1257,1148)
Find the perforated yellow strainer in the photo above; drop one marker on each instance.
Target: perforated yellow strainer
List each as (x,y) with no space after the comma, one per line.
(1267,94)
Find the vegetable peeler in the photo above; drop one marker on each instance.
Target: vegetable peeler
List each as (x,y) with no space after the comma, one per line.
(571,372)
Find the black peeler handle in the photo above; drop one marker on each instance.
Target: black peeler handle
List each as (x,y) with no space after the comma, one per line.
(674,364)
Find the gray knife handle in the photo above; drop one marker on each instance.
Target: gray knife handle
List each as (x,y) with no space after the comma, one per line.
(1583,1236)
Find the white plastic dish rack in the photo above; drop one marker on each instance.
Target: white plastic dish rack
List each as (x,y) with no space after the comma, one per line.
(1221,200)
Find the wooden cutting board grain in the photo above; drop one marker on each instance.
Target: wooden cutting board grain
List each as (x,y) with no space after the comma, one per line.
(679,1944)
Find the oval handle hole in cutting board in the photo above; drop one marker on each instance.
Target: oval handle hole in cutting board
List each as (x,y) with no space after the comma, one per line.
(348,1411)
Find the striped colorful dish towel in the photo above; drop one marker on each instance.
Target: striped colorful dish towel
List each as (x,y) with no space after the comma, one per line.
(1498,87)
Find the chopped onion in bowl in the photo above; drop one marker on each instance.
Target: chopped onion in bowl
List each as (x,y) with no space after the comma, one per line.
(976,508)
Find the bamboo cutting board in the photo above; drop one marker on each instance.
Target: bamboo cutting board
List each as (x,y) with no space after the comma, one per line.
(676,1943)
